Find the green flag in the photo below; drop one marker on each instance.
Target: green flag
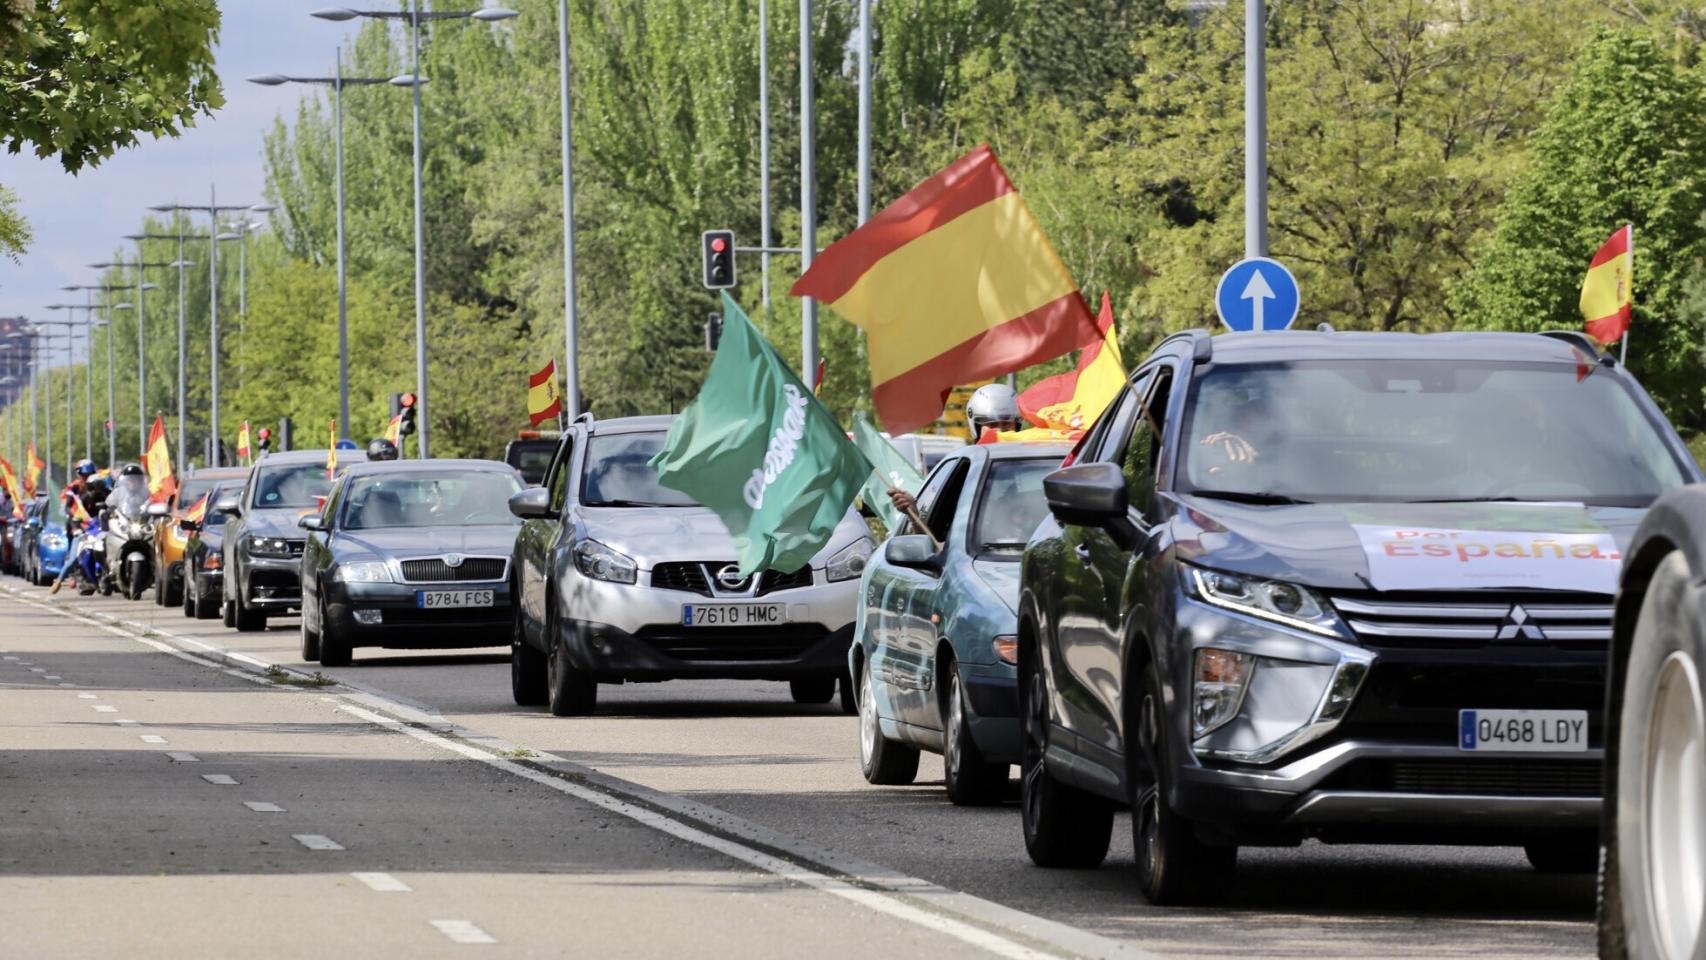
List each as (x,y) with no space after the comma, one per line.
(758,449)
(893,470)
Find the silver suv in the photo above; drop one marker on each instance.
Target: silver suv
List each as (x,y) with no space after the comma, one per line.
(617,578)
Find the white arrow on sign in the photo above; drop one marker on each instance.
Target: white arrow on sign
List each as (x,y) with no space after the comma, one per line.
(1256,291)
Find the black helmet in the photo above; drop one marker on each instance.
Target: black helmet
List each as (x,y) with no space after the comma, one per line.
(131,470)
(381,449)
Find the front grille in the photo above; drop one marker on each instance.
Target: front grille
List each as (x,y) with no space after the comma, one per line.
(274,584)
(689,577)
(771,581)
(1474,619)
(732,644)
(701,578)
(473,616)
(435,570)
(1494,777)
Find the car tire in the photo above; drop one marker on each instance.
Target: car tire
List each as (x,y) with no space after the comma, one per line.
(1174,866)
(247,619)
(569,692)
(883,761)
(1064,826)
(848,692)
(160,592)
(335,650)
(189,600)
(971,779)
(1565,853)
(311,638)
(1644,910)
(174,586)
(812,689)
(228,614)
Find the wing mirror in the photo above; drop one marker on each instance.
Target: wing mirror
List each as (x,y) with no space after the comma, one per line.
(188,526)
(310,521)
(913,550)
(534,503)
(1091,495)
(157,510)
(230,504)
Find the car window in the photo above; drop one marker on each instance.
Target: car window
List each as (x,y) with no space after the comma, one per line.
(1142,448)
(1411,430)
(940,515)
(559,474)
(463,498)
(1011,505)
(212,518)
(191,491)
(617,472)
(928,493)
(1114,426)
(290,485)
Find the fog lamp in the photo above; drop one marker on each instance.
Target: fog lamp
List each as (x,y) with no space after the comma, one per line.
(1219,682)
(368,618)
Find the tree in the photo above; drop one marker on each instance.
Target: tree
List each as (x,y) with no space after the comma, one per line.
(1622,143)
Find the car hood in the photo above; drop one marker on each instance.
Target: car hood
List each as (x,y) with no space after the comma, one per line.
(653,536)
(275,523)
(1318,544)
(1002,579)
(484,541)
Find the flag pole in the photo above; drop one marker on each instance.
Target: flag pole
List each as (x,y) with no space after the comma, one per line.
(918,521)
(1623,349)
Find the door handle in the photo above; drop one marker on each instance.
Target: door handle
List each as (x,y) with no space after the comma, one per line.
(1083,551)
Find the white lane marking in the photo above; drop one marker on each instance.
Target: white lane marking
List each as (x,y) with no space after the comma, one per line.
(382,882)
(52,677)
(127,723)
(315,841)
(88,696)
(63,684)
(10,658)
(262,806)
(461,931)
(220,779)
(38,669)
(153,738)
(178,756)
(105,708)
(787,870)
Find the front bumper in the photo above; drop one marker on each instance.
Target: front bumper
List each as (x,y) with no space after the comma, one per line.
(403,624)
(272,583)
(209,585)
(672,652)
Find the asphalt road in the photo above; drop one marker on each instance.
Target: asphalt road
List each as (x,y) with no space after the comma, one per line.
(626,830)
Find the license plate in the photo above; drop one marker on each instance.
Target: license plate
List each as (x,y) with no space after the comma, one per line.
(733,614)
(434,599)
(1523,731)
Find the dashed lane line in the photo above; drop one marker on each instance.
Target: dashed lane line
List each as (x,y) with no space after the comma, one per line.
(382,882)
(461,931)
(88,696)
(105,708)
(315,841)
(178,756)
(220,779)
(263,806)
(153,738)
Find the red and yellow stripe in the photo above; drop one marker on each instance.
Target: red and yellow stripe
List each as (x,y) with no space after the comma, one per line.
(953,282)
(1608,291)
(543,401)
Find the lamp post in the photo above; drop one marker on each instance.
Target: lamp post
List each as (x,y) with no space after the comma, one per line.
(70,457)
(183,339)
(337,81)
(141,342)
(213,210)
(88,386)
(88,377)
(413,16)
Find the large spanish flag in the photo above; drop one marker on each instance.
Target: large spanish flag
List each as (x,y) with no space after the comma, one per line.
(953,282)
(543,402)
(1070,402)
(1608,292)
(158,463)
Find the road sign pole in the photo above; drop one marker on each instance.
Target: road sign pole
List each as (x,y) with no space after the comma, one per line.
(1255,128)
(808,198)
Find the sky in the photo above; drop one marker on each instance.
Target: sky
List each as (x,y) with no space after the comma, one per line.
(82,219)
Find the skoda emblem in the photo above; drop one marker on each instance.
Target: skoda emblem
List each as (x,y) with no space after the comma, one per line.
(729,578)
(453,560)
(1518,625)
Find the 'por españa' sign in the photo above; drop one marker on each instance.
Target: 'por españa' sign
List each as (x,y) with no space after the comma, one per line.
(1434,558)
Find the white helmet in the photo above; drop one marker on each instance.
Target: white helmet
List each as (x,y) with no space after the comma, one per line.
(992,403)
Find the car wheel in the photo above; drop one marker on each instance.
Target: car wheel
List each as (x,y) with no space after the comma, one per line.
(174,586)
(1174,866)
(1064,826)
(972,781)
(569,692)
(527,679)
(247,619)
(1655,864)
(812,689)
(335,650)
(848,692)
(884,762)
(228,614)
(311,638)
(1565,853)
(189,598)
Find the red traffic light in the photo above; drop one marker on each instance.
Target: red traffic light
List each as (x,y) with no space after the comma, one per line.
(407,400)
(265,434)
(718,244)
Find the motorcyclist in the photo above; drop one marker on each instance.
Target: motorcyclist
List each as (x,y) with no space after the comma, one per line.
(86,490)
(381,449)
(993,407)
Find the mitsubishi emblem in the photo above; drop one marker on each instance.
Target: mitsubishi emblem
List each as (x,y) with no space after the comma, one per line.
(1518,625)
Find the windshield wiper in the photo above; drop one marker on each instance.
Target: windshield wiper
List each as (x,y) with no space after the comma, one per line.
(1472,500)
(631,503)
(1260,498)
(1004,545)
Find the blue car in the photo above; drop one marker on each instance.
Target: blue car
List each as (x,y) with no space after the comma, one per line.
(45,537)
(934,649)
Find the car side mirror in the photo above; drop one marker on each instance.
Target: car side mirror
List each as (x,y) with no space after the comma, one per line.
(157,510)
(310,521)
(534,503)
(913,550)
(187,525)
(1091,495)
(230,505)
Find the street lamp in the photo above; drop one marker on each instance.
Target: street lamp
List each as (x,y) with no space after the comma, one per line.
(183,338)
(88,378)
(213,210)
(337,81)
(141,341)
(413,16)
(70,355)
(88,374)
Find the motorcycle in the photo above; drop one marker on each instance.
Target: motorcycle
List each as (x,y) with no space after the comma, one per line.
(129,537)
(86,560)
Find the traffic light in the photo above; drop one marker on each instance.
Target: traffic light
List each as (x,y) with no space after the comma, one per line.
(718,247)
(406,405)
(285,433)
(713,331)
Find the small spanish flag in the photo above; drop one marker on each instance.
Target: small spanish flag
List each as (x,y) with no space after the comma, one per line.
(9,482)
(243,442)
(1065,405)
(954,282)
(33,466)
(1608,292)
(543,401)
(74,506)
(332,449)
(394,430)
(197,511)
(158,462)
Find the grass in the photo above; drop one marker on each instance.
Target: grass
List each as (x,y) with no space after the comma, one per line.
(518,753)
(278,674)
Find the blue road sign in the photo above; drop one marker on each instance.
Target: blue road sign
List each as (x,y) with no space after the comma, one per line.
(348,444)
(1256,294)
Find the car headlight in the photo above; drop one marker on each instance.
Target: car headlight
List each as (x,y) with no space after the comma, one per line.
(212,561)
(1273,600)
(602,563)
(849,562)
(369,571)
(267,546)
(53,541)
(1218,685)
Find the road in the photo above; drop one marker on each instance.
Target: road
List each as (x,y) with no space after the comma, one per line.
(624,833)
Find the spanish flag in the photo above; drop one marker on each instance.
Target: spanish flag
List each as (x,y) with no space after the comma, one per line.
(158,462)
(332,449)
(33,466)
(394,430)
(952,283)
(74,506)
(243,442)
(1067,403)
(197,511)
(1608,293)
(543,402)
(9,482)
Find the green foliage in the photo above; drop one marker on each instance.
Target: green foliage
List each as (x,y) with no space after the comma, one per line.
(1621,143)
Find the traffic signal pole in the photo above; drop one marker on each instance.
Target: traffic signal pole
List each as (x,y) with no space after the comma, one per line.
(1255,128)
(808,197)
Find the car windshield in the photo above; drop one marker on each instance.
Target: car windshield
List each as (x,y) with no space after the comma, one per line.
(129,496)
(450,498)
(193,490)
(618,473)
(1012,504)
(1400,430)
(54,510)
(290,485)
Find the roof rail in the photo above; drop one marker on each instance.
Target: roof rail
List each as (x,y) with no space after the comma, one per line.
(1324,327)
(585,416)
(1202,343)
(1582,342)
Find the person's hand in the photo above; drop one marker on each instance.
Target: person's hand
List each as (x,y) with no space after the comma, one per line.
(902,500)
(1236,449)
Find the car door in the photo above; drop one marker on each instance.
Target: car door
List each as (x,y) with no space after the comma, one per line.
(886,605)
(913,659)
(534,541)
(317,555)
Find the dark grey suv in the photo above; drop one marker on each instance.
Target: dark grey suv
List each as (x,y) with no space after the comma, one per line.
(1353,586)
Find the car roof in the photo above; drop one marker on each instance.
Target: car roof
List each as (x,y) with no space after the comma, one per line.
(218,473)
(381,467)
(1283,345)
(1013,450)
(631,424)
(311,456)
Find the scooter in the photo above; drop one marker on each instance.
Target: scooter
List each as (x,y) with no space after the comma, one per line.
(86,561)
(130,552)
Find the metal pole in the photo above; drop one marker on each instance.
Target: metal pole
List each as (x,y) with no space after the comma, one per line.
(89,376)
(183,343)
(343,292)
(141,359)
(70,355)
(35,395)
(1623,350)
(242,291)
(112,423)
(571,332)
(764,151)
(864,110)
(422,411)
(1255,128)
(213,322)
(808,200)
(47,428)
